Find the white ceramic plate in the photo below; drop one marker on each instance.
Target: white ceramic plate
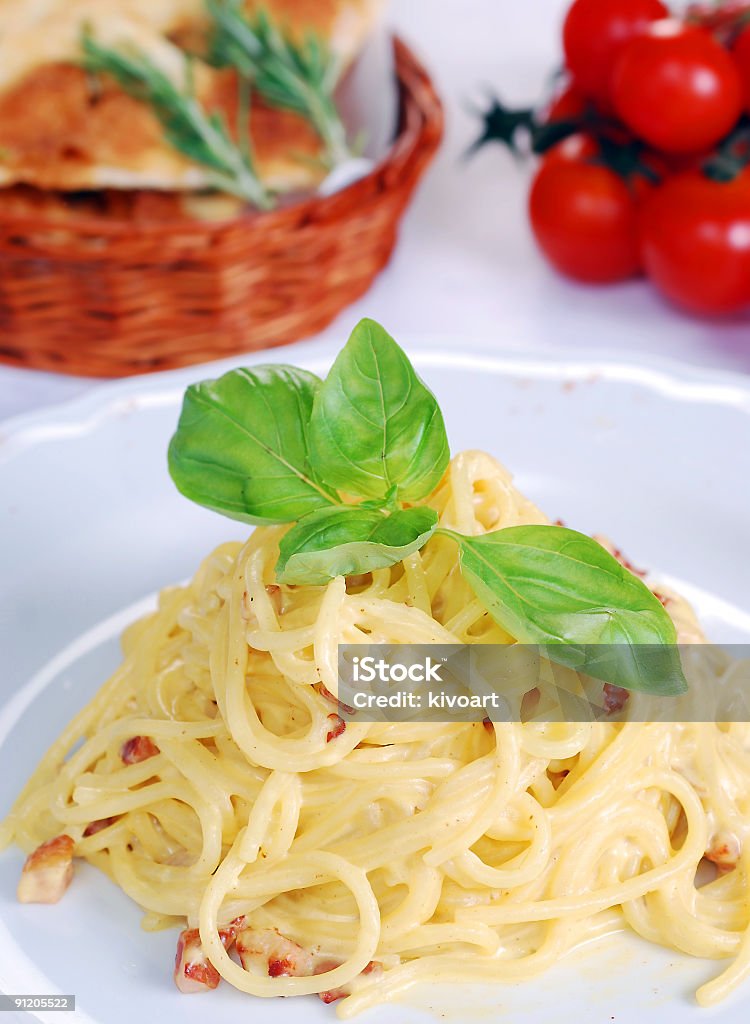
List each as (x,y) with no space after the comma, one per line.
(90,526)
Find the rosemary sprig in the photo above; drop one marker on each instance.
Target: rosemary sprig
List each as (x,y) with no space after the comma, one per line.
(201,136)
(290,76)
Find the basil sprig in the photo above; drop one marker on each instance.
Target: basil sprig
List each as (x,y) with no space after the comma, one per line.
(557,587)
(376,429)
(340,458)
(346,541)
(241,446)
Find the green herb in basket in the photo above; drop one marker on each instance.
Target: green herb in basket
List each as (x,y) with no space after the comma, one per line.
(201,136)
(290,76)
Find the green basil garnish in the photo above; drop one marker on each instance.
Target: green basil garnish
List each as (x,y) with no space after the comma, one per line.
(553,586)
(347,541)
(241,446)
(376,428)
(276,445)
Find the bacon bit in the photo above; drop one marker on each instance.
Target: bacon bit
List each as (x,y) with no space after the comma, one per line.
(663,599)
(266,951)
(137,749)
(556,778)
(337,727)
(97,826)
(488,724)
(559,522)
(374,967)
(615,698)
(229,934)
(333,993)
(323,690)
(359,580)
(724,851)
(48,871)
(624,561)
(193,971)
(280,968)
(269,952)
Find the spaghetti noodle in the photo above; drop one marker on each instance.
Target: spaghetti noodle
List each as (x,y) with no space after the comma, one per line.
(213,780)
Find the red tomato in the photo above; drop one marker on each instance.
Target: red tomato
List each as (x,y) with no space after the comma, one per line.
(695,236)
(741,53)
(677,88)
(587,148)
(717,16)
(678,163)
(584,219)
(569,103)
(593,35)
(575,147)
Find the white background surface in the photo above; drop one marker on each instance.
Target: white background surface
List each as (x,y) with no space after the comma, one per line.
(466,265)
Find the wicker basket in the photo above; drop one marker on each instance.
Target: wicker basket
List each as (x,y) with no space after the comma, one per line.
(107,297)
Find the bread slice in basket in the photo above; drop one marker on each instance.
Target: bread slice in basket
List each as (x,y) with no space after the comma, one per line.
(64,129)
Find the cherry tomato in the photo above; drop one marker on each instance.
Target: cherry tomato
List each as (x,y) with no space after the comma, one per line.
(584,218)
(677,163)
(583,147)
(568,103)
(593,35)
(741,53)
(676,88)
(695,236)
(717,17)
(576,147)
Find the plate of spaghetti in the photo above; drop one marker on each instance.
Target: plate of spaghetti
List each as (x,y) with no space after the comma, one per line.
(193,819)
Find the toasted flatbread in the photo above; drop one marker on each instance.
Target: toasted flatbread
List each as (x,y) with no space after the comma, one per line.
(344,24)
(62,129)
(59,129)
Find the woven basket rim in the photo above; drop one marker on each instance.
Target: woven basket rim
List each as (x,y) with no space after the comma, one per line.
(105,297)
(114,227)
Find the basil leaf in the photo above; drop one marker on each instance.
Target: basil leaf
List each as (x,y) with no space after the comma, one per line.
(348,540)
(553,586)
(241,445)
(375,426)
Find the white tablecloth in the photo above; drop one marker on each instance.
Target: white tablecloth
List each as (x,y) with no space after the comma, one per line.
(466,266)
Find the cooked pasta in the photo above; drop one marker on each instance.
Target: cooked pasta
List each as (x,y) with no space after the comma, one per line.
(213,780)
